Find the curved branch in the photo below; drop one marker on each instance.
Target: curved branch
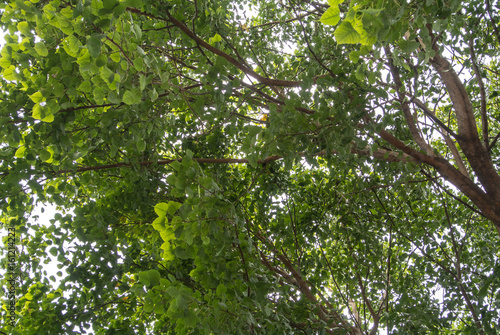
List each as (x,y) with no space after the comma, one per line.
(468,137)
(230,59)
(405,106)
(444,131)
(479,197)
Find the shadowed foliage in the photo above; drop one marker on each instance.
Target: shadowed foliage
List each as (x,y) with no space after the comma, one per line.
(250,167)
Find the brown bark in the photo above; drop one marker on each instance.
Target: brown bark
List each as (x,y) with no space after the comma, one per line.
(468,137)
(479,197)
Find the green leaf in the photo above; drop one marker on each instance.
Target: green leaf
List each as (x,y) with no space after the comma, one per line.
(115,57)
(5,62)
(153,95)
(94,46)
(335,2)
(154,277)
(221,289)
(144,278)
(37,97)
(44,155)
(138,64)
(41,49)
(53,251)
(161,209)
(24,28)
(408,46)
(134,3)
(331,16)
(72,45)
(346,34)
(173,206)
(142,81)
(132,97)
(20,152)
(106,74)
(78,9)
(216,38)
(141,145)
(42,113)
(85,87)
(354,56)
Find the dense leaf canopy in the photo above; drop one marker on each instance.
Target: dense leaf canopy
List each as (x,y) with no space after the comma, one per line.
(250,167)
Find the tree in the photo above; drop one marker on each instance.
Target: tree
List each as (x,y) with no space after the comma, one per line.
(251,167)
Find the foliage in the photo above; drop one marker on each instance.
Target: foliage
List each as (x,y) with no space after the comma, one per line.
(252,167)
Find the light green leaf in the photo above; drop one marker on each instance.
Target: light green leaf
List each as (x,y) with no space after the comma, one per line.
(115,57)
(331,16)
(354,56)
(346,34)
(72,45)
(159,223)
(42,113)
(168,255)
(215,39)
(5,62)
(41,49)
(37,97)
(173,206)
(20,152)
(106,74)
(161,209)
(335,2)
(138,64)
(23,27)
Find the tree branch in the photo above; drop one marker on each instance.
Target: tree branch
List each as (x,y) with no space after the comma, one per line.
(482,92)
(468,137)
(415,133)
(230,59)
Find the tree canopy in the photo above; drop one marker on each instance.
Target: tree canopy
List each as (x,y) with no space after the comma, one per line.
(251,167)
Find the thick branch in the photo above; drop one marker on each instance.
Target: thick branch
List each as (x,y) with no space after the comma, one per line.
(444,131)
(480,198)
(482,91)
(468,137)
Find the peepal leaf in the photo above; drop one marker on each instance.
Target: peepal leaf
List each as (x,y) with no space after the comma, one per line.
(132,97)
(94,46)
(42,113)
(346,34)
(41,49)
(331,16)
